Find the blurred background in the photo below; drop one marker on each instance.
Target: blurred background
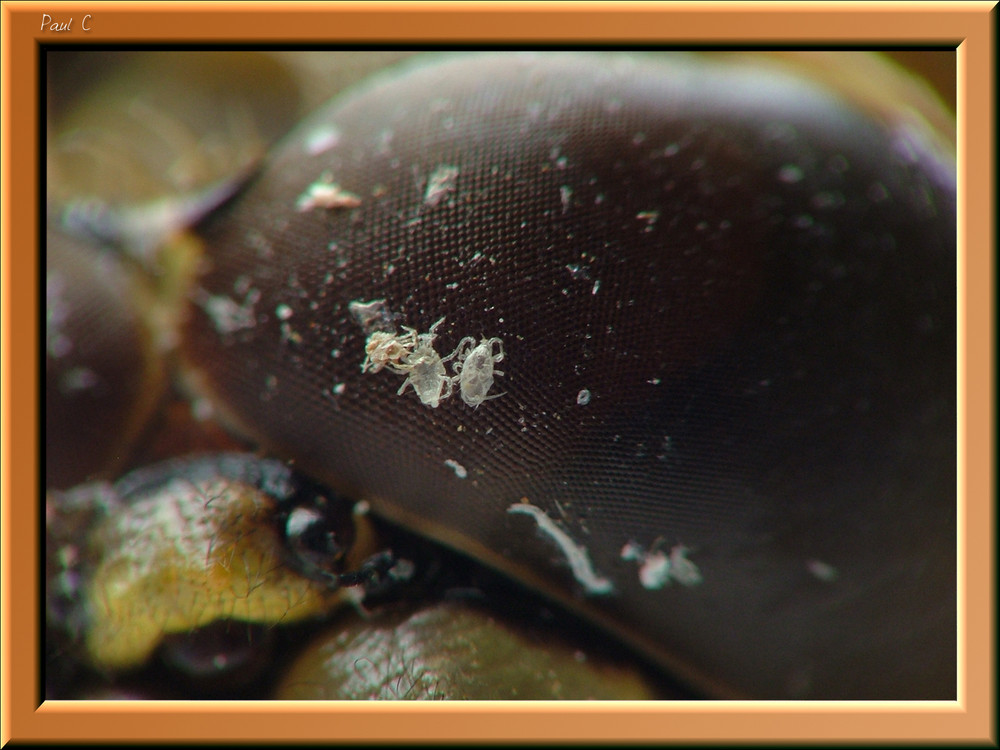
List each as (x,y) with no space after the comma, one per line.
(128,125)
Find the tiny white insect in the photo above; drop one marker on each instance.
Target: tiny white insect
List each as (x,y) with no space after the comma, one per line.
(385,348)
(424,370)
(474,368)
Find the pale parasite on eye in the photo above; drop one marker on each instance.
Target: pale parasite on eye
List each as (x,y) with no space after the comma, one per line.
(384,348)
(424,370)
(414,355)
(474,368)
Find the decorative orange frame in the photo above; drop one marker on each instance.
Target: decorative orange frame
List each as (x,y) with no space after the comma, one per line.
(966,26)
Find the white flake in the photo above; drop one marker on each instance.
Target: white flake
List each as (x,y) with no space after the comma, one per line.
(579,560)
(683,570)
(823,571)
(440,183)
(656,570)
(455,466)
(322,139)
(227,315)
(324,193)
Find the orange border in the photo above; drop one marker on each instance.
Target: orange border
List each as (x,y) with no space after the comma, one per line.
(967,25)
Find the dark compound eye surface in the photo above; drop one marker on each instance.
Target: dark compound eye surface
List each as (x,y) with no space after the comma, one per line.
(726,302)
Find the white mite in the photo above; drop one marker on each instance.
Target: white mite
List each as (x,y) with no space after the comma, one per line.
(384,348)
(474,368)
(424,370)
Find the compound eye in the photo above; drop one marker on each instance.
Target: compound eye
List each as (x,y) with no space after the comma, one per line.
(318,533)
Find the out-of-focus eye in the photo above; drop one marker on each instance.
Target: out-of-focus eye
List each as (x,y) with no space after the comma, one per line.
(104,375)
(186,543)
(454,650)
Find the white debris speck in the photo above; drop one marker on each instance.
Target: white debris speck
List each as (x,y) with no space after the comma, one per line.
(583,397)
(322,139)
(597,285)
(355,595)
(823,571)
(227,315)
(579,560)
(631,551)
(565,196)
(339,389)
(289,334)
(284,312)
(78,379)
(300,519)
(656,570)
(455,466)
(683,570)
(57,312)
(440,183)
(654,567)
(650,217)
(372,316)
(324,193)
(828,199)
(790,174)
(403,570)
